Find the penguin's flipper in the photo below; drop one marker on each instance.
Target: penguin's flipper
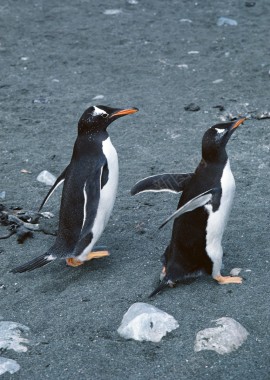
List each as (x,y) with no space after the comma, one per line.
(162,182)
(57,183)
(191,205)
(38,262)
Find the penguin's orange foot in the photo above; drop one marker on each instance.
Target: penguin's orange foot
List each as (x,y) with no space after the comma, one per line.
(72,262)
(97,255)
(223,280)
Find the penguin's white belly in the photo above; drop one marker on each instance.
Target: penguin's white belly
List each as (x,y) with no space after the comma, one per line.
(107,196)
(217,220)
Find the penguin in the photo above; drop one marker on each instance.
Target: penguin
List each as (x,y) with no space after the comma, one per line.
(90,186)
(202,212)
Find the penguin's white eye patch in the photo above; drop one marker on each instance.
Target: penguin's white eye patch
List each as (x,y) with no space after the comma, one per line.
(99,112)
(219,130)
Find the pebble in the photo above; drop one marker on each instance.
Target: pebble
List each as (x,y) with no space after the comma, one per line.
(226,21)
(183,66)
(250,4)
(192,107)
(217,81)
(112,12)
(235,271)
(40,100)
(46,177)
(98,97)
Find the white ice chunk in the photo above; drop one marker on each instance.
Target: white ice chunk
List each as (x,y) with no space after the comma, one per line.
(2,195)
(228,336)
(8,365)
(46,177)
(235,271)
(226,21)
(10,336)
(146,322)
(98,97)
(112,12)
(217,81)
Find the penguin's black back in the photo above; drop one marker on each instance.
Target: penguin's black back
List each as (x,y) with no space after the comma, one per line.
(186,252)
(84,166)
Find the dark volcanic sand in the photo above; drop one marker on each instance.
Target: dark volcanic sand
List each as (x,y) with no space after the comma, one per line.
(76,52)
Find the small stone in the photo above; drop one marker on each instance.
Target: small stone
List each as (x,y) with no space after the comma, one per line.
(192,107)
(186,20)
(217,81)
(145,322)
(132,2)
(235,271)
(226,21)
(263,115)
(98,97)
(56,80)
(41,100)
(250,4)
(46,177)
(220,107)
(47,214)
(193,52)
(112,12)
(183,66)
(25,171)
(24,58)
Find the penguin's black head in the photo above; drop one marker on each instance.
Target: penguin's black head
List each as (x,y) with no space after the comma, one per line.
(215,138)
(97,118)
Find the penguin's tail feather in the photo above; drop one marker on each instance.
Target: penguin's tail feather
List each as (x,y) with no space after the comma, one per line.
(162,285)
(38,262)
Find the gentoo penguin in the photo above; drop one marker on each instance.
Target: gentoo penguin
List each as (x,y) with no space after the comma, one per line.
(90,185)
(202,211)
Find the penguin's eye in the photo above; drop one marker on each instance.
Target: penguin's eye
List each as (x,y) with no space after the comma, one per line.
(105,115)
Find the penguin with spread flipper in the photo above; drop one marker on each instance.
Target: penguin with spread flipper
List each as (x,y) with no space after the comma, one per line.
(90,185)
(202,212)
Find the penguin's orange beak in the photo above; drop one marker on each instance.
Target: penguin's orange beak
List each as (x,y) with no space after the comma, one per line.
(128,111)
(239,122)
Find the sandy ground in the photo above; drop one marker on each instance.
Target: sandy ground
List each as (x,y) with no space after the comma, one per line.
(158,56)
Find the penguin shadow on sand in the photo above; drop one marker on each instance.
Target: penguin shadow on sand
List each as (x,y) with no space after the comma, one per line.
(89,191)
(200,219)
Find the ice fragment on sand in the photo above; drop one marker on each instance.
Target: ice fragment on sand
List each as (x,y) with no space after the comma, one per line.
(235,271)
(228,336)
(8,365)
(111,12)
(98,97)
(146,322)
(2,195)
(46,177)
(226,21)
(10,336)
(132,2)
(217,81)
